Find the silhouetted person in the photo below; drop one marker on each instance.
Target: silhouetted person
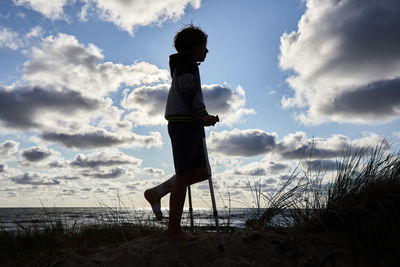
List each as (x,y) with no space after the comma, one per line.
(187,116)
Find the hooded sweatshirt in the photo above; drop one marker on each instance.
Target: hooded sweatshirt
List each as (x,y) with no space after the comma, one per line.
(185,101)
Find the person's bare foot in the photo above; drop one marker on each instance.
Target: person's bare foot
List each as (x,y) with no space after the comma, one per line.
(155,201)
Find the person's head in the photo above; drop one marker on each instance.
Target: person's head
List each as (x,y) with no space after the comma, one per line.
(192,39)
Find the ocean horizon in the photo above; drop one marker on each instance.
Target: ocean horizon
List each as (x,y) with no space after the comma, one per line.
(21,218)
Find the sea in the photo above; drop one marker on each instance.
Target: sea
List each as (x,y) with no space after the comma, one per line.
(13,219)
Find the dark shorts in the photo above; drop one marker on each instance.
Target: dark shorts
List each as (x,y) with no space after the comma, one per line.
(187,146)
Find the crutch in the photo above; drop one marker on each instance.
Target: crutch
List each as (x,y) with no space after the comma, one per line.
(220,246)
(190,209)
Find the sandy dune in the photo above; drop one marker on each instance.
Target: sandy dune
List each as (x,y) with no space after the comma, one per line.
(241,249)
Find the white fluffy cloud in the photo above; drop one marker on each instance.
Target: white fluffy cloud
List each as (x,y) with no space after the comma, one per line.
(104,159)
(62,62)
(346,58)
(53,9)
(128,15)
(263,168)
(9,39)
(7,149)
(64,95)
(148,104)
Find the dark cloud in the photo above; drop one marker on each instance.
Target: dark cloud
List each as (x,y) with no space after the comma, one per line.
(100,138)
(377,101)
(68,192)
(270,181)
(154,171)
(66,177)
(323,165)
(132,186)
(35,154)
(148,103)
(56,164)
(8,148)
(277,167)
(219,99)
(262,169)
(101,159)
(2,167)
(86,189)
(247,143)
(298,146)
(21,107)
(345,56)
(244,143)
(33,179)
(253,172)
(111,174)
(309,151)
(150,99)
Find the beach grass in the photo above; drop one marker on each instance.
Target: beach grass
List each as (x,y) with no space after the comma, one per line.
(360,204)
(44,241)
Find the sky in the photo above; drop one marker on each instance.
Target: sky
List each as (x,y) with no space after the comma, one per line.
(83,86)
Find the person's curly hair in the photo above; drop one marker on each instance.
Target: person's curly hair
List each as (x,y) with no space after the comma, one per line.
(188,37)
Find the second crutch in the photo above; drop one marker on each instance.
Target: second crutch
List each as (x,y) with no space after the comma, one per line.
(214,206)
(220,246)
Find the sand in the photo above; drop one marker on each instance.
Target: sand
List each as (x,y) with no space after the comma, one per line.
(243,248)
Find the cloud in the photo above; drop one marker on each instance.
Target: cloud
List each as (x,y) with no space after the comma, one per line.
(3,167)
(346,61)
(51,9)
(9,39)
(23,107)
(227,103)
(153,171)
(34,154)
(33,179)
(35,32)
(245,143)
(104,159)
(64,95)
(62,62)
(41,158)
(322,165)
(129,15)
(109,174)
(299,146)
(262,168)
(98,138)
(378,101)
(253,142)
(7,149)
(148,103)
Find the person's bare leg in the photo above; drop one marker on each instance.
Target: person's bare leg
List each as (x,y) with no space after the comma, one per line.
(176,202)
(154,195)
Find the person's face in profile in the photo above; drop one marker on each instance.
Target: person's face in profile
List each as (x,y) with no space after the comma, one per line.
(200,52)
